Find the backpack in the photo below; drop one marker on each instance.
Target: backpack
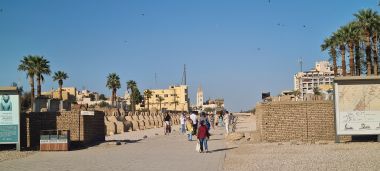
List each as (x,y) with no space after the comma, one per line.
(208,125)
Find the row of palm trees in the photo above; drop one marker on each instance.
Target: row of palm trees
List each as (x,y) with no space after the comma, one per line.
(36,67)
(113,83)
(354,37)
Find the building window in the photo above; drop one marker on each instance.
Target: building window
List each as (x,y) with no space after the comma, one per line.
(166,95)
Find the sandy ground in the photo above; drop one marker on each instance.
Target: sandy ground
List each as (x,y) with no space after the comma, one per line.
(290,156)
(156,152)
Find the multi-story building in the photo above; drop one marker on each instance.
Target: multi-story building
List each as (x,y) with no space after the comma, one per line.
(68,93)
(322,77)
(175,98)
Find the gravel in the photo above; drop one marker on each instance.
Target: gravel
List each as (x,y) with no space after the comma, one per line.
(272,156)
(11,155)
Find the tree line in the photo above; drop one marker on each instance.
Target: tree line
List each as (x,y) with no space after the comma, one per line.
(359,38)
(36,67)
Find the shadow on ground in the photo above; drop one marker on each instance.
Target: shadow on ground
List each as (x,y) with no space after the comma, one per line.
(222,149)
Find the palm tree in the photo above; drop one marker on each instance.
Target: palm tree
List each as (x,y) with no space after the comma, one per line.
(113,83)
(330,44)
(159,100)
(41,67)
(60,76)
(358,57)
(340,40)
(131,85)
(375,30)
(367,20)
(28,66)
(148,94)
(176,102)
(351,32)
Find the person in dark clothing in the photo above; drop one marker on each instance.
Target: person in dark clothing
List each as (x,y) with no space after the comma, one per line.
(203,135)
(167,121)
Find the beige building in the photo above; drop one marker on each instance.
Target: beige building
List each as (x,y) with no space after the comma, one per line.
(68,93)
(175,98)
(322,77)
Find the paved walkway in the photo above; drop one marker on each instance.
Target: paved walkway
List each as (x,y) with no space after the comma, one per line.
(172,152)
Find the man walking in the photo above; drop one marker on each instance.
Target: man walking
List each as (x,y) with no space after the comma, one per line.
(194,118)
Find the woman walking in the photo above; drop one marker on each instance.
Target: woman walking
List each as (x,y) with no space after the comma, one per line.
(203,135)
(189,129)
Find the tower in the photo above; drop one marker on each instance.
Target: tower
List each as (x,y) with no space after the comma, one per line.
(184,75)
(200,97)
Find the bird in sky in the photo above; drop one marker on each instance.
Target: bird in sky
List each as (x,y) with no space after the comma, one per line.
(142,14)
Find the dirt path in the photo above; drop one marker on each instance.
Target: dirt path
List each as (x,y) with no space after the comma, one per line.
(172,152)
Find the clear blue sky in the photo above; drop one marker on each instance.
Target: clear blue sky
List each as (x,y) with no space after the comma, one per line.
(234,49)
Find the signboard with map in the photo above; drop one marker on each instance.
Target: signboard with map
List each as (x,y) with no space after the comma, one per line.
(9,116)
(357,106)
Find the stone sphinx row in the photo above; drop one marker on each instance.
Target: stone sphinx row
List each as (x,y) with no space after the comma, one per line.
(118,121)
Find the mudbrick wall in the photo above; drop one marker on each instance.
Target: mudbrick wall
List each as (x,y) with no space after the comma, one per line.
(83,129)
(306,121)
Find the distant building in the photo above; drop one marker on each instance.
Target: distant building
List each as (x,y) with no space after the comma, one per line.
(213,104)
(322,77)
(210,104)
(175,98)
(68,93)
(87,94)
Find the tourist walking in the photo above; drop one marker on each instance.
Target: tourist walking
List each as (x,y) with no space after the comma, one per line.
(167,126)
(194,118)
(211,118)
(226,120)
(189,129)
(220,120)
(204,118)
(183,122)
(203,135)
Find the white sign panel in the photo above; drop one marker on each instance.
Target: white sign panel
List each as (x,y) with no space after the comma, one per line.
(357,108)
(9,118)
(91,113)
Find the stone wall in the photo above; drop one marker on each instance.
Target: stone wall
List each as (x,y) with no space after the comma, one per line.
(83,129)
(307,121)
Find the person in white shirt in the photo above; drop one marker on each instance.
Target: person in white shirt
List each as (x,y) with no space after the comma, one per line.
(226,120)
(183,122)
(194,118)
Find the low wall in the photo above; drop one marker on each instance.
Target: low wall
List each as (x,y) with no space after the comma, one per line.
(83,129)
(307,121)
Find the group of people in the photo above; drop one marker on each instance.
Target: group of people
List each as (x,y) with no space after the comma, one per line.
(194,125)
